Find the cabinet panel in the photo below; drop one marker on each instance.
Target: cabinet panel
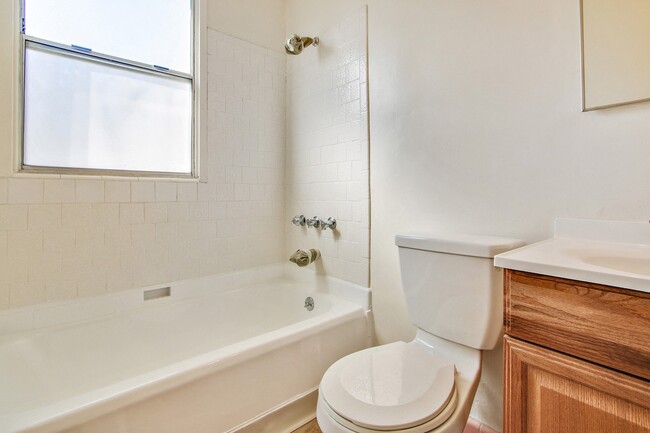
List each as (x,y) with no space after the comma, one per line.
(602,324)
(548,392)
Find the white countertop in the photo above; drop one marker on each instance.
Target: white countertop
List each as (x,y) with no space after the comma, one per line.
(605,252)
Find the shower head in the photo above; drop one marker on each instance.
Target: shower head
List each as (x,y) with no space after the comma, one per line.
(295,44)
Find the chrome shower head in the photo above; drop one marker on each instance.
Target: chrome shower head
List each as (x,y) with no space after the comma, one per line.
(295,44)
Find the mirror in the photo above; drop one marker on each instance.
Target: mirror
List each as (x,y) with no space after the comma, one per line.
(615,52)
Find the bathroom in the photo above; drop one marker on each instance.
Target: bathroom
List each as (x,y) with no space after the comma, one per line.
(461,117)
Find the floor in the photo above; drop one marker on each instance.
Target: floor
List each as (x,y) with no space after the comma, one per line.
(472,427)
(310,427)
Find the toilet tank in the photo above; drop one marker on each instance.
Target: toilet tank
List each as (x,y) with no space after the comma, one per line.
(452,289)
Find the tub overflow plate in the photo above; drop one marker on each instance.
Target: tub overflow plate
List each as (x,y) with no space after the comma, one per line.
(309,303)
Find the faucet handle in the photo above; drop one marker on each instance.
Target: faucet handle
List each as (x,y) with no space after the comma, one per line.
(298,220)
(314,222)
(329,224)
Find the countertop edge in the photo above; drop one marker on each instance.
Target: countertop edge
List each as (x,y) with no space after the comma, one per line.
(621,281)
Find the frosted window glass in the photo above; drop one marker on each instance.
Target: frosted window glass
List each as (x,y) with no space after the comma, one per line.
(148,31)
(88,114)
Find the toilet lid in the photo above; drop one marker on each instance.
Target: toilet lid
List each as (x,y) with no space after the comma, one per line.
(391,387)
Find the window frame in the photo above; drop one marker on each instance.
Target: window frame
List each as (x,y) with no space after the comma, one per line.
(197,71)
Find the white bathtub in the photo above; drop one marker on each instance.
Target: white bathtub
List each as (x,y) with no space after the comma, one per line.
(243,360)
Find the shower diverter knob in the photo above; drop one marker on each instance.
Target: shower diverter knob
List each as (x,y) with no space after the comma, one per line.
(298,220)
(314,222)
(329,224)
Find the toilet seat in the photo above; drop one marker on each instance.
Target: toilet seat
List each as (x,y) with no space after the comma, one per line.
(428,426)
(395,387)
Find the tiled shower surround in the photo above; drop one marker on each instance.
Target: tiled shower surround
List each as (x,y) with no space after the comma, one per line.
(327,148)
(65,237)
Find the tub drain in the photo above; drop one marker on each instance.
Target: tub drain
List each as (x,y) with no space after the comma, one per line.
(309,303)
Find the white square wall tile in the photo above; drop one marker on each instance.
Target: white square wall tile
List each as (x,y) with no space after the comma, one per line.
(143,234)
(104,214)
(199,211)
(217,210)
(3,248)
(142,191)
(131,213)
(116,191)
(166,191)
(155,212)
(89,191)
(15,269)
(242,192)
(76,215)
(22,191)
(225,192)
(119,238)
(59,191)
(4,298)
(91,284)
(13,217)
(187,191)
(44,216)
(26,293)
(58,241)
(3,191)
(206,192)
(178,212)
(233,174)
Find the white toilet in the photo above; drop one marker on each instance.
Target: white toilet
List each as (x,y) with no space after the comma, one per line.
(454,297)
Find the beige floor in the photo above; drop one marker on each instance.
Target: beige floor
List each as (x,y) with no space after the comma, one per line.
(472,427)
(310,427)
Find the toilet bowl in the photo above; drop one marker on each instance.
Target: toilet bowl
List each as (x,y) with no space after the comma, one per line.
(427,385)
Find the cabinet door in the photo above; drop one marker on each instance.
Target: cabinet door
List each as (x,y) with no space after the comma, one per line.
(548,392)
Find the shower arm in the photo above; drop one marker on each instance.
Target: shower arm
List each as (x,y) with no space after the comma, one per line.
(307,41)
(296,43)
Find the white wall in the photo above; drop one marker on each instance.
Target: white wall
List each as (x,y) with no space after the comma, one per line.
(475,125)
(327,148)
(258,21)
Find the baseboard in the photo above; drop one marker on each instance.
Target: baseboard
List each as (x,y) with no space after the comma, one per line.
(292,414)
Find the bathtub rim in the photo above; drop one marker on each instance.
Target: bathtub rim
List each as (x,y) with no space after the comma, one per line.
(51,314)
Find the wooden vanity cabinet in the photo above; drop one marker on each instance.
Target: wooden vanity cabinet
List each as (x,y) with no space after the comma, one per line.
(577,357)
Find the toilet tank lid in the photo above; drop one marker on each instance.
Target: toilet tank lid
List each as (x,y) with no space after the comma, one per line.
(459,243)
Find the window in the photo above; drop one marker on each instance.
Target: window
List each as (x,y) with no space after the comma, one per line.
(108,86)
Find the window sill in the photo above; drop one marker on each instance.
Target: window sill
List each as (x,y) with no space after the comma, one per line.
(82,176)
